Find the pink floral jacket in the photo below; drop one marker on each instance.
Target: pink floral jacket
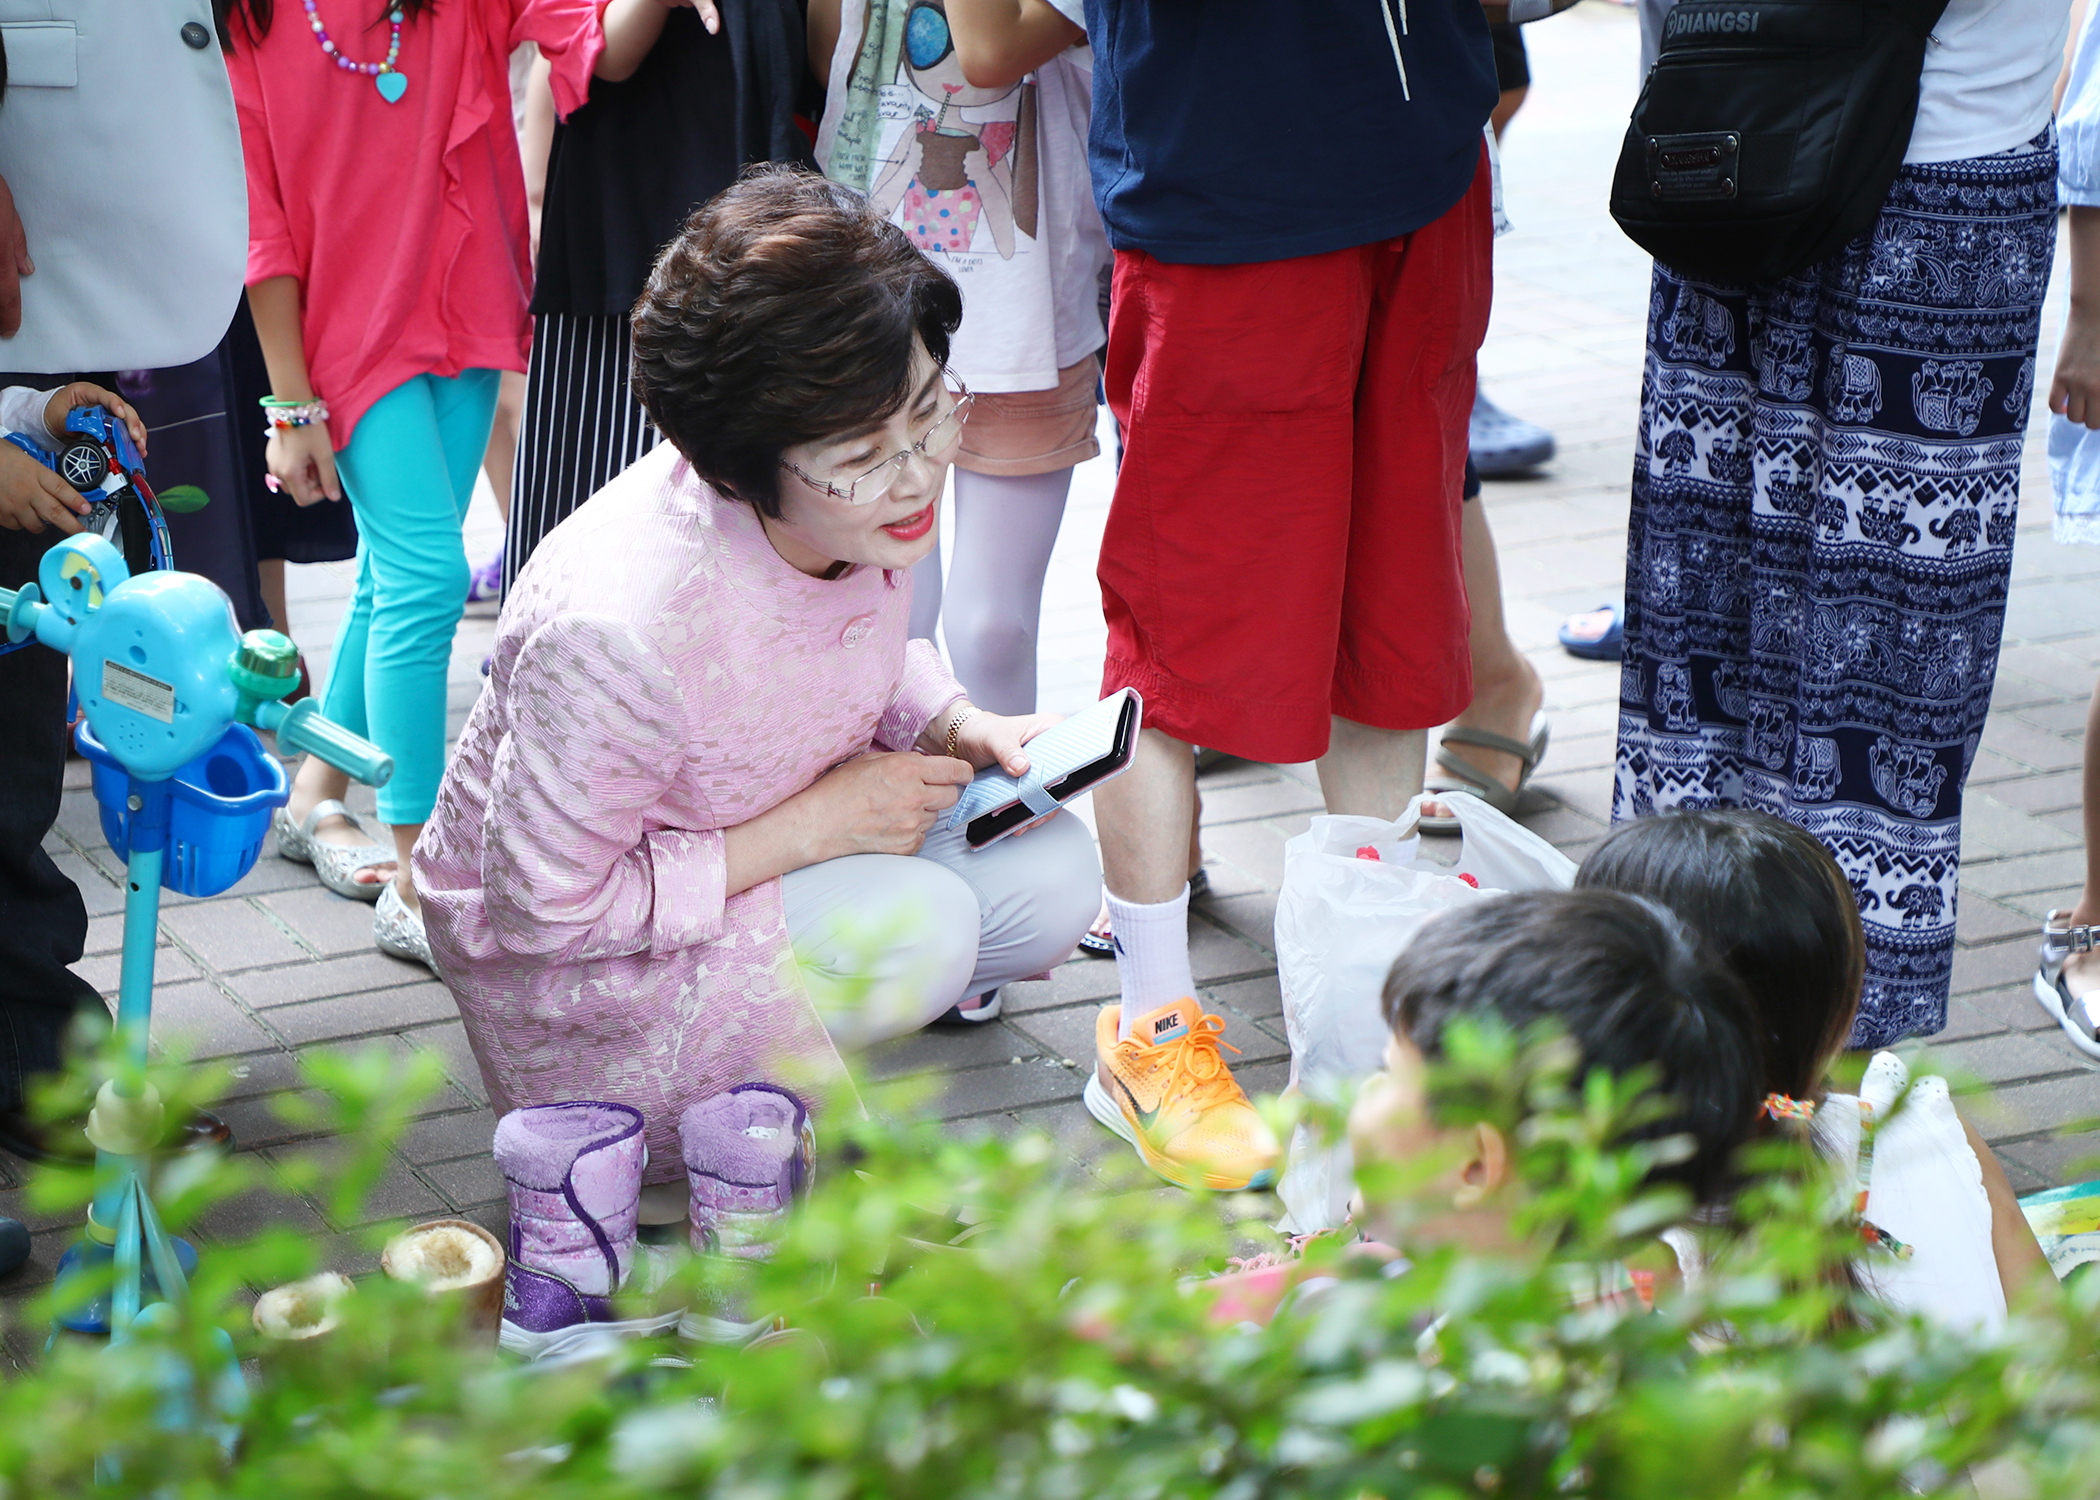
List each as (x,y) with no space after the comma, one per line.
(660,675)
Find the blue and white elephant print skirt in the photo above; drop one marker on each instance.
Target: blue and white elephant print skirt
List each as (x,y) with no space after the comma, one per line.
(1824,491)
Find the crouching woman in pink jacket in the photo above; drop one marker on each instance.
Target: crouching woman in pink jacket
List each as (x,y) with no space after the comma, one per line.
(694,834)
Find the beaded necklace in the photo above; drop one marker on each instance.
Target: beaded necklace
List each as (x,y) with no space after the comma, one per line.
(385,76)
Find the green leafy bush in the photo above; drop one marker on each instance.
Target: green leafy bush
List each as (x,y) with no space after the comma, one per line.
(971,1317)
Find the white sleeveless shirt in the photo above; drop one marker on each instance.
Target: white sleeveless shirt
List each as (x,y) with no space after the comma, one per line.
(1926,1190)
(1990,77)
(1989,80)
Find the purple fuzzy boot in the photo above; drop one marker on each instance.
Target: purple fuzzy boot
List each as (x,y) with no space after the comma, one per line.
(747,1154)
(575,1177)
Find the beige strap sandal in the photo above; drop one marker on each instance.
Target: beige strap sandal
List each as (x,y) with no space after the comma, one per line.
(1467,777)
(336,864)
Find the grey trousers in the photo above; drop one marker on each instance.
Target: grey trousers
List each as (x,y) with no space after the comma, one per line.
(887,942)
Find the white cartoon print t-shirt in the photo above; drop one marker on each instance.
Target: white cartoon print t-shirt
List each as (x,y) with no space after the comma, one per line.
(990,182)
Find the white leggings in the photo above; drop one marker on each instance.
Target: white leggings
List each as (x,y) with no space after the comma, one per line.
(1005,528)
(887,942)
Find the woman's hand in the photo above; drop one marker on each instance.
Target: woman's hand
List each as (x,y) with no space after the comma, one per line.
(987,740)
(80,393)
(301,459)
(882,803)
(31,495)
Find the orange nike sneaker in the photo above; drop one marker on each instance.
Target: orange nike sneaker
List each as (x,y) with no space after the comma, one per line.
(1167,1091)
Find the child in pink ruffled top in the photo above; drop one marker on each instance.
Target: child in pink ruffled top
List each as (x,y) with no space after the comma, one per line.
(388,272)
(696,830)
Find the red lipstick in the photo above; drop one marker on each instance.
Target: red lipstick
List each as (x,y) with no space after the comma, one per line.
(912,527)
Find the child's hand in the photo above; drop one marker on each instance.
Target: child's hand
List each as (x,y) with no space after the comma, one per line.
(1000,42)
(31,495)
(301,460)
(80,393)
(2075,390)
(14,263)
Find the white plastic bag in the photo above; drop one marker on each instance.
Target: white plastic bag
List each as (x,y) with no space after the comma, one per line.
(1341,920)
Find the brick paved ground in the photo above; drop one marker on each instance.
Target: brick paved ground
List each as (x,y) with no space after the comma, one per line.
(279,968)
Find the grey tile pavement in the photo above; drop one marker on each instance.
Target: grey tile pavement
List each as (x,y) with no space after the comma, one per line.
(278,968)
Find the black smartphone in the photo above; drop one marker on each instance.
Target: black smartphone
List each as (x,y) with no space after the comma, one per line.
(1002,821)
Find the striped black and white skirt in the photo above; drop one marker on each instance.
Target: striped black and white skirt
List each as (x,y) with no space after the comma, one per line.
(581,425)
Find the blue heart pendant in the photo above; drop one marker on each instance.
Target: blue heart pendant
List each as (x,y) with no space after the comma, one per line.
(391,86)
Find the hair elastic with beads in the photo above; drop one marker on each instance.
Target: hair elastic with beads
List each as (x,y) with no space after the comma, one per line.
(1780,1107)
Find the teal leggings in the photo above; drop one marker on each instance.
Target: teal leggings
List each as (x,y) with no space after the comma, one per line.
(409,472)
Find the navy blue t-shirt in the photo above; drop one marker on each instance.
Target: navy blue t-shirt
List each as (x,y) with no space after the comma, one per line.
(1228,131)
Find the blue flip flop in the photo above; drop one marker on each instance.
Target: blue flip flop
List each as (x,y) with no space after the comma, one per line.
(1605,647)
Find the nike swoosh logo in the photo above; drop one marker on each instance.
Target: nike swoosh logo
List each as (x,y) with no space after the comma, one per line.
(1145,1117)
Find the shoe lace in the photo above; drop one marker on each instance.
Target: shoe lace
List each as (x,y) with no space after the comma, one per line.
(1200,1074)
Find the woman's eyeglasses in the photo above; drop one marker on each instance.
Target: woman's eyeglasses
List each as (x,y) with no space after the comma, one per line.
(940,441)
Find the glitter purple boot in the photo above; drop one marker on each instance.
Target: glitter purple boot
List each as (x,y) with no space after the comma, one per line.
(747,1154)
(575,1177)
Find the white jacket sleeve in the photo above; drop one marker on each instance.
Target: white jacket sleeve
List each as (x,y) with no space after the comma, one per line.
(22,410)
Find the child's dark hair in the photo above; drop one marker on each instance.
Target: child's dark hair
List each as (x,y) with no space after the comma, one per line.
(1771,904)
(785,312)
(1629,986)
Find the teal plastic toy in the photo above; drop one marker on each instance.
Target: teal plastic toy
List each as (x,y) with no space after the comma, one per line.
(172,694)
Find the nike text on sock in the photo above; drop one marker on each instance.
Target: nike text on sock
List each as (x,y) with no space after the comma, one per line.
(1152,954)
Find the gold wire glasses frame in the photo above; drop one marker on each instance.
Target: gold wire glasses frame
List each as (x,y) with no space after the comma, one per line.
(939,441)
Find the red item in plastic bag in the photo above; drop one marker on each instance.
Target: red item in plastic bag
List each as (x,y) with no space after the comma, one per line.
(1367,852)
(1469,880)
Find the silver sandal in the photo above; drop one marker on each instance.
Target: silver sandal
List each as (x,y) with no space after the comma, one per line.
(1467,777)
(399,931)
(336,864)
(2074,1013)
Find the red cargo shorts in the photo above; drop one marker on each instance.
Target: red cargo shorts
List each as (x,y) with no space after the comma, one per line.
(1284,541)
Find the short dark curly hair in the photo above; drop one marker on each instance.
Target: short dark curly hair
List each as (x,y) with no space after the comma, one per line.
(1630,986)
(783,313)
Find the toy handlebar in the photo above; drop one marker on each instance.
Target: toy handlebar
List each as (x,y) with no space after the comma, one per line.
(263,668)
(159,669)
(300,729)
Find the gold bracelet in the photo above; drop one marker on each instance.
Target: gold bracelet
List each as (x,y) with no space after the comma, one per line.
(956,720)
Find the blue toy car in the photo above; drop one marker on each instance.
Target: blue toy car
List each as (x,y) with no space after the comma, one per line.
(99,460)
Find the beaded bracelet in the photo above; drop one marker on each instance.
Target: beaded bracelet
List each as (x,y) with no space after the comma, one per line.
(282,414)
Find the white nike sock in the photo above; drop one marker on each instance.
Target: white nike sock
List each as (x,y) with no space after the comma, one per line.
(1152,955)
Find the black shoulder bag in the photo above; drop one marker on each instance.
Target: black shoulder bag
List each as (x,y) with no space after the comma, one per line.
(1769,131)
